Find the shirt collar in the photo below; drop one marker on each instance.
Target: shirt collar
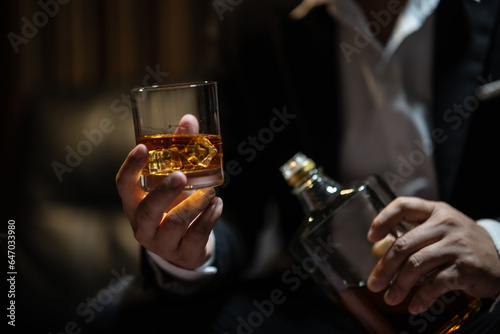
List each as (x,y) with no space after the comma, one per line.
(413,17)
(347,12)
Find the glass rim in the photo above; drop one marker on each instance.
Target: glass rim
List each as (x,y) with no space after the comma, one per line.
(174,86)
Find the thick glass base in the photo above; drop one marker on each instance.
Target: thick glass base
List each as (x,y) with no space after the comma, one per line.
(195,180)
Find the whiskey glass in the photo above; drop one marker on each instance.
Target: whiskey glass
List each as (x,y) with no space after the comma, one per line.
(179,124)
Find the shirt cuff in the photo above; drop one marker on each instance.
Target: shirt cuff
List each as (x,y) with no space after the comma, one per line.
(187,274)
(493,228)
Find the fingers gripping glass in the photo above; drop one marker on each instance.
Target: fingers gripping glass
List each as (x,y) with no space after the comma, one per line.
(179,124)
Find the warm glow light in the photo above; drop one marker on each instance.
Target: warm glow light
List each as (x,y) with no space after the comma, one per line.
(346,191)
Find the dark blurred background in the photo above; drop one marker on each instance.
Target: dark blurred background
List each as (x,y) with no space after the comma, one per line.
(67,70)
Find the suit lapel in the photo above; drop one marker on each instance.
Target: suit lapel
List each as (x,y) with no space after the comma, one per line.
(463,37)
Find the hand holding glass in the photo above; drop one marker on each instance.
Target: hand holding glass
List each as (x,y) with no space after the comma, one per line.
(179,124)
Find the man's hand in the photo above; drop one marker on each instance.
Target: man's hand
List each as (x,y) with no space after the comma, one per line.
(446,251)
(168,221)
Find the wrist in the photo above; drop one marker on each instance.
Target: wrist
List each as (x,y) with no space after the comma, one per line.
(206,269)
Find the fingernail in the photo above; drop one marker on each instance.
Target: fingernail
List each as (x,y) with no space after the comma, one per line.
(140,151)
(216,202)
(208,191)
(390,297)
(370,234)
(374,284)
(415,309)
(175,180)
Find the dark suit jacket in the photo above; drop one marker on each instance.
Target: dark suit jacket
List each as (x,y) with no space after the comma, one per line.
(280,93)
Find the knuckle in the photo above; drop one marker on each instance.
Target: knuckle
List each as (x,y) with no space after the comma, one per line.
(402,202)
(401,285)
(414,262)
(448,220)
(464,243)
(143,214)
(467,265)
(119,181)
(176,220)
(400,245)
(140,237)
(445,212)
(442,205)
(197,203)
(200,232)
(202,198)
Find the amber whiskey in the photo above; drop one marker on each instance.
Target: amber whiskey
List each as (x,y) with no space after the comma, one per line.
(199,156)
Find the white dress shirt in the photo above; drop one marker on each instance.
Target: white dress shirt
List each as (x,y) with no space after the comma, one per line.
(387,96)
